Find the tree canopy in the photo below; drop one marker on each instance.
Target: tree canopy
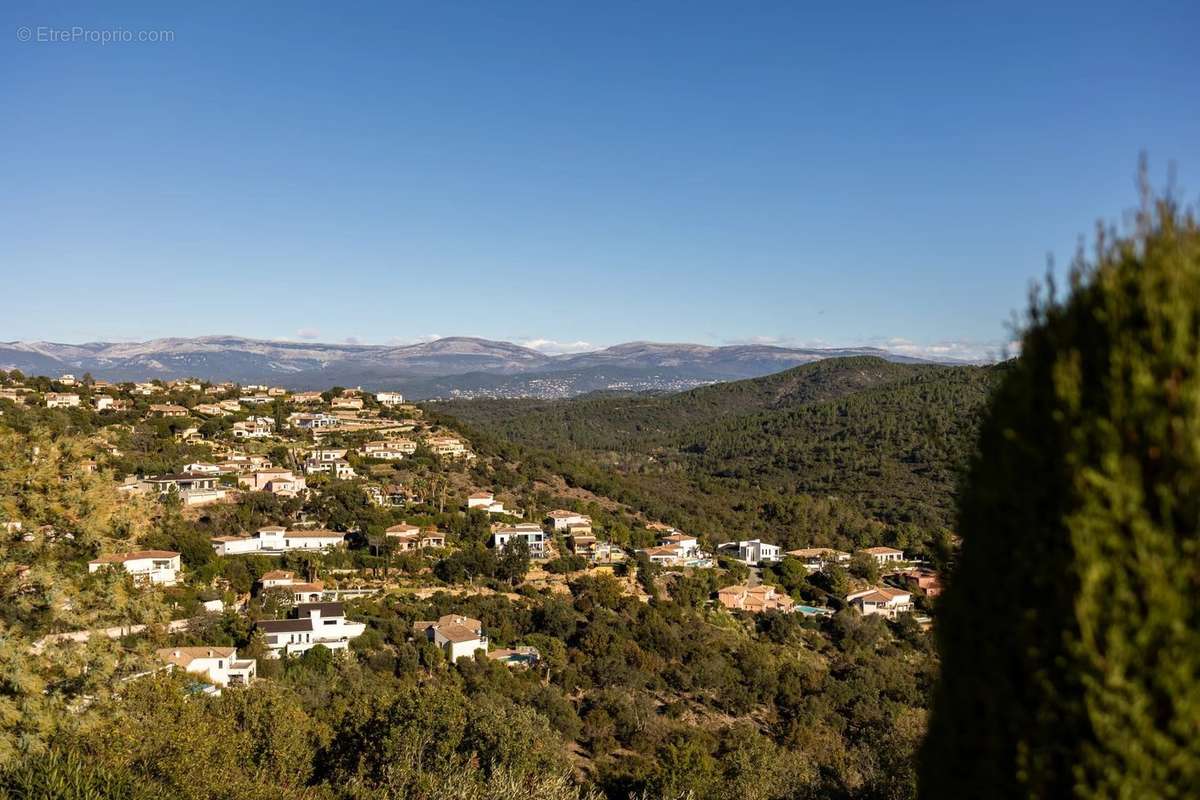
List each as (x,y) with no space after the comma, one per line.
(1070,632)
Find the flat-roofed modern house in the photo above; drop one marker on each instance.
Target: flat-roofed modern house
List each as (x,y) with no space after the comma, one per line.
(314,421)
(159,567)
(277,539)
(530,532)
(194,489)
(753,551)
(181,481)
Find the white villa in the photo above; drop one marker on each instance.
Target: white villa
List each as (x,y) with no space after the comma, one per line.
(339,469)
(201,468)
(105,402)
(313,624)
(563,519)
(754,551)
(448,447)
(300,591)
(61,400)
(277,539)
(193,488)
(313,422)
(677,549)
(882,600)
(391,450)
(254,428)
(389,398)
(485,501)
(217,665)
(456,636)
(885,555)
(531,532)
(160,567)
(405,537)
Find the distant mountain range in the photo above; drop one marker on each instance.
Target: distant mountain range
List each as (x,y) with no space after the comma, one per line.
(450,367)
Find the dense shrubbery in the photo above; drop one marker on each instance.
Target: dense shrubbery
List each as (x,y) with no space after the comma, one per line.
(1071,630)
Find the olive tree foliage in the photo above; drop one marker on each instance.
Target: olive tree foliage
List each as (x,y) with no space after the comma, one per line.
(1070,631)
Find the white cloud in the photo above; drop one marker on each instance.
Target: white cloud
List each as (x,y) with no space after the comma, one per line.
(308,333)
(950,349)
(943,350)
(780,341)
(553,348)
(352,340)
(401,341)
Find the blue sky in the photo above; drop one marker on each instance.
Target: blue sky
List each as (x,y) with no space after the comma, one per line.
(573,175)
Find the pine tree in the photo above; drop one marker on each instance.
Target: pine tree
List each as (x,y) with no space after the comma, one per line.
(1070,631)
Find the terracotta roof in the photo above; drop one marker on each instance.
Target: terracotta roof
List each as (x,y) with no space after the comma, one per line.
(321,534)
(813,552)
(458,633)
(452,627)
(879,594)
(278,575)
(183,656)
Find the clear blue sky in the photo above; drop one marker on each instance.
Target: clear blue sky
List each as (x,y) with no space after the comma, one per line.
(712,172)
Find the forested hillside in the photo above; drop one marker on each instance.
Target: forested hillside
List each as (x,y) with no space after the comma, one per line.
(832,453)
(667,696)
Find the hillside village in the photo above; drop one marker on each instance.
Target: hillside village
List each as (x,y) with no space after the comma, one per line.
(275,528)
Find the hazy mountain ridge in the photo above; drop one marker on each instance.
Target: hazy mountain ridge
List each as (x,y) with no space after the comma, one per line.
(448,367)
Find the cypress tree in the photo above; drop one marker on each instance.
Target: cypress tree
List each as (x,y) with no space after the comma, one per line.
(1070,631)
